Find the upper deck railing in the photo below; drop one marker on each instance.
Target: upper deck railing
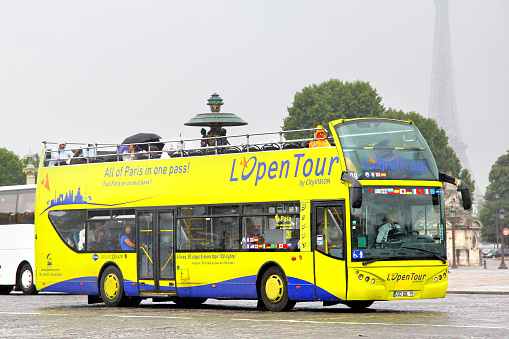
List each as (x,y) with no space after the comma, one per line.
(83,153)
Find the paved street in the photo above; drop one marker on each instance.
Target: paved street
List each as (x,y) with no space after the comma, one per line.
(480,280)
(476,306)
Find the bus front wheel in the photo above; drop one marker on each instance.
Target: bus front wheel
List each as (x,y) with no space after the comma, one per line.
(112,286)
(26,280)
(274,291)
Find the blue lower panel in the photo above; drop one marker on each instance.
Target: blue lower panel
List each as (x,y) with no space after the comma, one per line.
(84,285)
(167,288)
(301,290)
(240,288)
(87,286)
(325,296)
(130,289)
(245,288)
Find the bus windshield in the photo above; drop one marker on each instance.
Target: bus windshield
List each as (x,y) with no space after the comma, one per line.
(385,149)
(399,223)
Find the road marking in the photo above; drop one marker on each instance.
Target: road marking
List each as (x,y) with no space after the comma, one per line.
(20,313)
(363,323)
(144,316)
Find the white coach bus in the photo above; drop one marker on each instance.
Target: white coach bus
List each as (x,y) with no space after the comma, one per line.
(17,209)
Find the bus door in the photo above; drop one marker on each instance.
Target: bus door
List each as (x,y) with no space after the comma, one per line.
(156,259)
(329,234)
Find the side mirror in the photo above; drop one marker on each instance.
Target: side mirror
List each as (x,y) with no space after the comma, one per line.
(462,187)
(355,190)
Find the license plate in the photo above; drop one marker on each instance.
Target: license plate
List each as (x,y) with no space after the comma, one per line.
(403,294)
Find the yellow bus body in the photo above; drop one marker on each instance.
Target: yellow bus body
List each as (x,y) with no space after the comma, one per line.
(302,175)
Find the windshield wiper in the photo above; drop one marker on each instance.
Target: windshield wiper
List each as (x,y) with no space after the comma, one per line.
(444,260)
(367,262)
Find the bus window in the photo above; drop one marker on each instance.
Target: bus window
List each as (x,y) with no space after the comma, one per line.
(394,221)
(330,230)
(26,208)
(228,230)
(68,225)
(8,208)
(208,227)
(271,226)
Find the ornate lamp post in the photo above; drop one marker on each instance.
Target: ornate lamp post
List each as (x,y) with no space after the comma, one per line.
(215,119)
(452,212)
(502,248)
(30,170)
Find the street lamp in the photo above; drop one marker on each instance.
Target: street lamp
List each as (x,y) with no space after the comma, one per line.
(501,218)
(452,212)
(496,221)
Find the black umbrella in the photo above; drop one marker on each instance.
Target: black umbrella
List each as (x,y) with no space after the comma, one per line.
(142,138)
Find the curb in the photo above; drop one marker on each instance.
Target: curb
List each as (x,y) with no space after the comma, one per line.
(479,292)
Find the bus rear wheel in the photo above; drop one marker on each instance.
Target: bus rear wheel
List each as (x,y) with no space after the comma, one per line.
(358,305)
(112,286)
(26,280)
(5,289)
(274,291)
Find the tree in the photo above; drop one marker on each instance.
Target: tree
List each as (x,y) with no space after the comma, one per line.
(497,197)
(331,100)
(11,169)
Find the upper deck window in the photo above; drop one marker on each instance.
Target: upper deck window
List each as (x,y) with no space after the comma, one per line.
(382,149)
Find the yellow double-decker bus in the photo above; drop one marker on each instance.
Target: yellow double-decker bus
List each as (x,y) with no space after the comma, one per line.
(357,221)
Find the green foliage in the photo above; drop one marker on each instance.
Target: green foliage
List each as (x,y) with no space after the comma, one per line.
(497,197)
(331,100)
(11,169)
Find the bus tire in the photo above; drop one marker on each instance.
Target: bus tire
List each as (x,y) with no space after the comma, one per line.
(188,302)
(25,281)
(274,291)
(358,305)
(112,287)
(5,289)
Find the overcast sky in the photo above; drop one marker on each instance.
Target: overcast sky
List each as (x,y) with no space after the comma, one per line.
(99,71)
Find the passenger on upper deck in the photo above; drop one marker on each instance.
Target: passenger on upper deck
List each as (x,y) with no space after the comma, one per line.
(322,138)
(215,137)
(130,153)
(60,155)
(84,153)
(155,152)
(223,139)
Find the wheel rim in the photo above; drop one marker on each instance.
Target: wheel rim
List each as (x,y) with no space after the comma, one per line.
(26,279)
(111,286)
(274,288)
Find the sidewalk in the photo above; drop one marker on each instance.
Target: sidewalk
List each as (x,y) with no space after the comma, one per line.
(477,280)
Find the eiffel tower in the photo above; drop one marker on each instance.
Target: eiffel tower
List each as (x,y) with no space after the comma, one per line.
(442,103)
